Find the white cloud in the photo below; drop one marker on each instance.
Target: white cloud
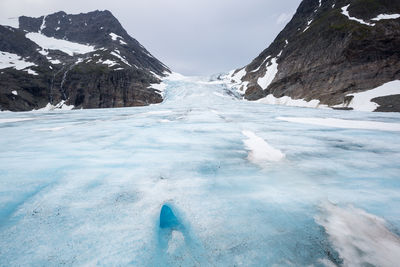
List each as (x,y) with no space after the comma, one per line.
(284,18)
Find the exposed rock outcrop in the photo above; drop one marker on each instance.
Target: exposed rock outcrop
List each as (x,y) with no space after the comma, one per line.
(85,61)
(330,48)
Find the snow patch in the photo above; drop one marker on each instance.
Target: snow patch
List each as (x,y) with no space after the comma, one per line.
(319,5)
(53,61)
(260,152)
(114,36)
(156,75)
(265,60)
(270,74)
(108,62)
(43,26)
(158,86)
(361,238)
(234,80)
(346,124)
(59,106)
(44,52)
(386,16)
(10,60)
(308,25)
(121,58)
(65,46)
(31,72)
(80,60)
(346,13)
(288,101)
(362,101)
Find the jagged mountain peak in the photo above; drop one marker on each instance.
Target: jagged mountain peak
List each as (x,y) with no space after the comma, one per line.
(97,29)
(63,25)
(67,55)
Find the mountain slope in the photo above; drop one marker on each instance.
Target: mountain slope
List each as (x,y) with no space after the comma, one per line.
(329,50)
(81,61)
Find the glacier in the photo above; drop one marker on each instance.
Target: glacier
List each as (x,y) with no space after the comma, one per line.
(202,179)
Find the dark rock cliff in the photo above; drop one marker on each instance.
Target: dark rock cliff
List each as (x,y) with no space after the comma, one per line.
(117,72)
(322,54)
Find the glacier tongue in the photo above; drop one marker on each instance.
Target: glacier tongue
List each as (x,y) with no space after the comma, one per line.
(173,184)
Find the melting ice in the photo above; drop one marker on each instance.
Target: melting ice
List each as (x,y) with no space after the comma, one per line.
(203,179)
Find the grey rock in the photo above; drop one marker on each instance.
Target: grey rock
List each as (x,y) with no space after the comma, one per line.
(79,80)
(335,56)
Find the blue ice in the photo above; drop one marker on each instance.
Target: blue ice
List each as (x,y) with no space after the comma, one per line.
(168,219)
(175,184)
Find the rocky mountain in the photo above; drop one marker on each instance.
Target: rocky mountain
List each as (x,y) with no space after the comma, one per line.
(332,53)
(75,61)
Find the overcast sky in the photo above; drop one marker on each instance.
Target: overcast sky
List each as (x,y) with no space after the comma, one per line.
(190,36)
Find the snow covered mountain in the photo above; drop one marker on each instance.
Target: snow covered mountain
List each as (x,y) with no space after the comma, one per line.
(75,61)
(339,53)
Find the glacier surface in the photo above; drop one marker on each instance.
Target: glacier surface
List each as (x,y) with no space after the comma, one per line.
(203,179)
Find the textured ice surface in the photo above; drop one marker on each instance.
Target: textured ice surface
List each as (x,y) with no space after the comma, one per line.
(353,230)
(347,124)
(88,187)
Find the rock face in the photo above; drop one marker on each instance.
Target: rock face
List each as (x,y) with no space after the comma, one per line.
(84,61)
(330,48)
